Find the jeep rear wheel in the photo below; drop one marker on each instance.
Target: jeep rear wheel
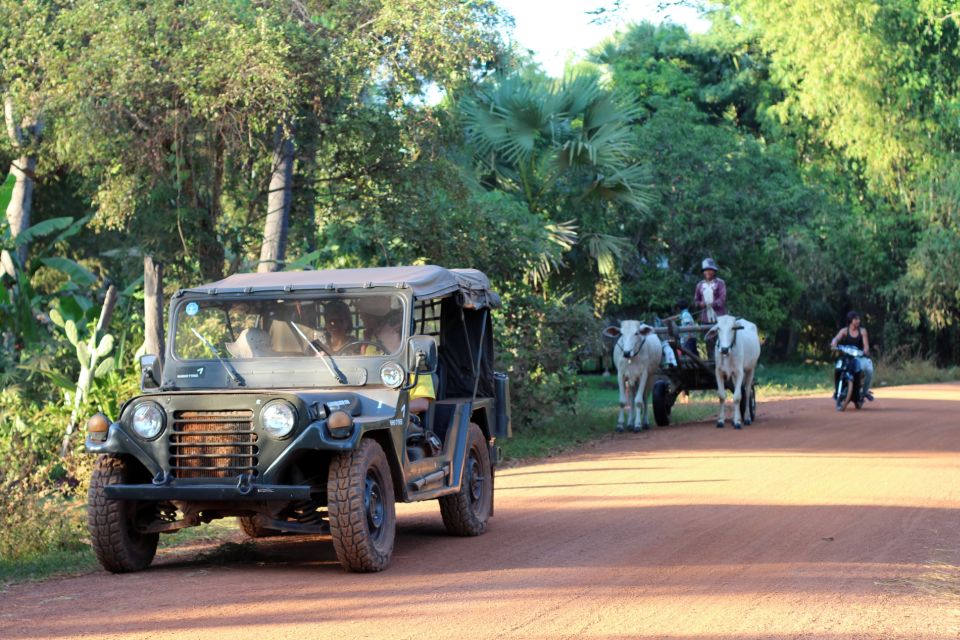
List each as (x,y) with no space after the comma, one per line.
(254,530)
(115,524)
(466,512)
(360,504)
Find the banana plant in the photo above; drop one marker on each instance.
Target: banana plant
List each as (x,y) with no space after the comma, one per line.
(93,354)
(18,299)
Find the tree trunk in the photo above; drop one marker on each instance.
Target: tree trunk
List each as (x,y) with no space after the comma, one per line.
(278,205)
(153,343)
(210,250)
(23,170)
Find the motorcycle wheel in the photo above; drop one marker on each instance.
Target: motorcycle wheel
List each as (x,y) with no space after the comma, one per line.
(846,393)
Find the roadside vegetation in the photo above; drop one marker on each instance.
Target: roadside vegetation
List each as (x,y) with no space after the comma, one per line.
(367,133)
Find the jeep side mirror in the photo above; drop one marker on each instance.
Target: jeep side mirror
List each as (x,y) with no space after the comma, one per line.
(421,354)
(150,372)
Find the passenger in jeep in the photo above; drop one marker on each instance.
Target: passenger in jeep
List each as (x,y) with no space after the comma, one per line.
(390,335)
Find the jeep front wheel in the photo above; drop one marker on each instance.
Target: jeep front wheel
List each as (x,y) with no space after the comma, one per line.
(360,504)
(114,525)
(466,512)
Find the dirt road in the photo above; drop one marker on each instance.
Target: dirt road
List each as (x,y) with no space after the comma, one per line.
(808,524)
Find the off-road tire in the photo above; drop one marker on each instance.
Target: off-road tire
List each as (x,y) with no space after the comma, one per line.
(466,512)
(661,403)
(360,504)
(120,548)
(254,530)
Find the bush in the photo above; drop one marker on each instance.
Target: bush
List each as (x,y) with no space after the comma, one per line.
(900,366)
(539,342)
(43,512)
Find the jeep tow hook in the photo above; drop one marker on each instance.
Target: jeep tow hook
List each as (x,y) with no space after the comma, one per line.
(244,484)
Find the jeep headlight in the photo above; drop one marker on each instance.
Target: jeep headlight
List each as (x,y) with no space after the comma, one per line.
(391,375)
(148,419)
(278,418)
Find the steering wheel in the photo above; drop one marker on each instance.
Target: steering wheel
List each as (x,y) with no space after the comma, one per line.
(354,346)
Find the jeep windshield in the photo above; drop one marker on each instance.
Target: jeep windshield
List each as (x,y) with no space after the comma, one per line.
(327,326)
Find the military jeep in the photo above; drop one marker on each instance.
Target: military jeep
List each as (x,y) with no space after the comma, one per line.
(284,400)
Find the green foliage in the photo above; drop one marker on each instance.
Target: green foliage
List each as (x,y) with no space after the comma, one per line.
(20,295)
(38,516)
(877,83)
(567,151)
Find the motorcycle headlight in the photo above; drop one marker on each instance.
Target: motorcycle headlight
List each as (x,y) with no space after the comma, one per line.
(391,375)
(148,419)
(278,418)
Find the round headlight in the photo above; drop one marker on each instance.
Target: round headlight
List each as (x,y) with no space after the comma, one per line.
(148,420)
(278,418)
(391,375)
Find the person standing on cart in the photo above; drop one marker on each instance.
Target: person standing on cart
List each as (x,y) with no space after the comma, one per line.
(711,297)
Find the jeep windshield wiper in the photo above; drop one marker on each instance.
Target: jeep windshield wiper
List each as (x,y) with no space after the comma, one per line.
(227,367)
(324,356)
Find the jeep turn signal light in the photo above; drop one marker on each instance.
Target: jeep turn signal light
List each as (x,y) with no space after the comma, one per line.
(97,427)
(340,424)
(98,423)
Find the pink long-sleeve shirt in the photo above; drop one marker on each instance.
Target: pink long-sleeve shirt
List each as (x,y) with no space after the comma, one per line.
(719,298)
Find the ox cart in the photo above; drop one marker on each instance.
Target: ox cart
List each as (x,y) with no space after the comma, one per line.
(693,372)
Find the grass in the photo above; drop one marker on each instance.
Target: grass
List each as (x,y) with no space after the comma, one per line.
(780,380)
(45,565)
(595,417)
(57,562)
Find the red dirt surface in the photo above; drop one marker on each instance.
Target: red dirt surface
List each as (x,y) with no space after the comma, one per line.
(809,524)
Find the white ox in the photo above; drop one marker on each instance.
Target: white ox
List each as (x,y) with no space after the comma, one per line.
(637,356)
(736,353)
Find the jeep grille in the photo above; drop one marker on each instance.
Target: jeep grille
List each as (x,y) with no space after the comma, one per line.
(213,444)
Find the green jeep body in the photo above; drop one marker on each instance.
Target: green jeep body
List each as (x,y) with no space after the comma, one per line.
(252,413)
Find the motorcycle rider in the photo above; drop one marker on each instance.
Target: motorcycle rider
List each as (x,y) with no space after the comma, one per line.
(856,336)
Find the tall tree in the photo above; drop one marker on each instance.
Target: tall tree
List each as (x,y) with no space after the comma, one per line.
(25,34)
(279,200)
(150,107)
(879,83)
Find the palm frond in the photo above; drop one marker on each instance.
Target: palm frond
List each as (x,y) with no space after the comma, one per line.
(560,238)
(607,251)
(630,186)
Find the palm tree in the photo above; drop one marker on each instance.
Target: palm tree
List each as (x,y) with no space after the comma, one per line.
(567,150)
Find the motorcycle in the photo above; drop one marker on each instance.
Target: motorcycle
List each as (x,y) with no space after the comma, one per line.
(848,377)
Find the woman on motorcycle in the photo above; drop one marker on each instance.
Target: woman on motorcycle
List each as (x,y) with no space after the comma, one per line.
(856,336)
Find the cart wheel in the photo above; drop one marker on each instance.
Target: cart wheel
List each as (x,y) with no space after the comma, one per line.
(661,402)
(748,404)
(360,503)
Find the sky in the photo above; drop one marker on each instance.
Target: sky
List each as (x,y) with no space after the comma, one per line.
(556,29)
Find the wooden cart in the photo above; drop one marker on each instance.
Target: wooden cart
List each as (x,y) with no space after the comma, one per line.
(692,373)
